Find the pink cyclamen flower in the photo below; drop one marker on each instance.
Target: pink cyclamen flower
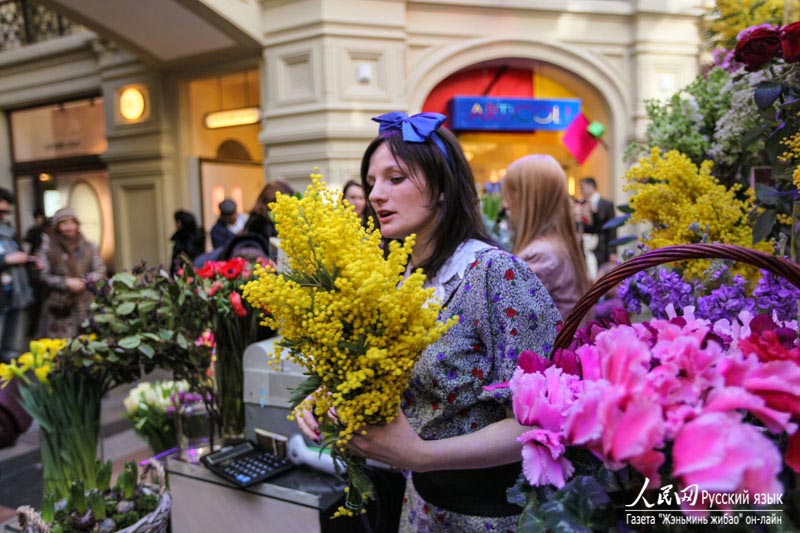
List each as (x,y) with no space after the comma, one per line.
(542,399)
(583,426)
(633,431)
(728,399)
(721,454)
(236,304)
(624,358)
(543,461)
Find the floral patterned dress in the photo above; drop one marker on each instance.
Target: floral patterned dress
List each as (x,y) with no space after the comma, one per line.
(503,309)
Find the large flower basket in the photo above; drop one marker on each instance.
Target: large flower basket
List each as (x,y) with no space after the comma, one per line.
(631,420)
(156,522)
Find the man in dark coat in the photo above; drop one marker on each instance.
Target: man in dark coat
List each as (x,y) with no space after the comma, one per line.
(229,224)
(15,290)
(602,211)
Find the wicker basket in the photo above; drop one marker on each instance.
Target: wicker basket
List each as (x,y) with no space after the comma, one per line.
(156,522)
(781,267)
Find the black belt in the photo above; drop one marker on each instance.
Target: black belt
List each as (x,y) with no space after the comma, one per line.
(478,492)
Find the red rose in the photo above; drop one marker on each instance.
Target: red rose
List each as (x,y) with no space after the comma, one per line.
(756,49)
(511,312)
(790,42)
(509,275)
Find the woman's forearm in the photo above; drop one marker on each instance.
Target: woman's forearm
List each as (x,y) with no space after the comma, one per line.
(493,445)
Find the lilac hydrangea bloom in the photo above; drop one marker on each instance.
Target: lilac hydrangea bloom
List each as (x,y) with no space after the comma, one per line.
(774,294)
(726,301)
(657,290)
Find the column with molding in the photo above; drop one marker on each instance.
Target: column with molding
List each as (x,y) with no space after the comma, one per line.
(140,158)
(330,65)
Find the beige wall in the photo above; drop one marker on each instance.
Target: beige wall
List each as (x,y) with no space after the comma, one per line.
(318,110)
(328,66)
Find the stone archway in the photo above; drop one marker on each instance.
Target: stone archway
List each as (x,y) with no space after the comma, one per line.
(593,71)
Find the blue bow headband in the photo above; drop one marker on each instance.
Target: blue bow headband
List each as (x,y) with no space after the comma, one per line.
(415,129)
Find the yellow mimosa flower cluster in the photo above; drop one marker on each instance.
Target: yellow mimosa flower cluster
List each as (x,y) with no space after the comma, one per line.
(792,153)
(727,18)
(676,197)
(39,359)
(345,311)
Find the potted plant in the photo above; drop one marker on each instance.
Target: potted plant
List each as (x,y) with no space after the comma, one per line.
(131,505)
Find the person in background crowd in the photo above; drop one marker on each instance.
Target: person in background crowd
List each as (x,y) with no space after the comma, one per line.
(15,291)
(458,440)
(229,223)
(598,211)
(541,214)
(14,419)
(70,262)
(353,193)
(187,240)
(260,219)
(34,237)
(35,234)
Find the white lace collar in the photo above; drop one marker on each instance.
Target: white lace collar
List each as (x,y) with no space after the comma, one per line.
(456,265)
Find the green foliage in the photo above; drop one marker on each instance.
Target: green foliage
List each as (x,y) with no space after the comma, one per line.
(127,479)
(687,120)
(306,387)
(68,411)
(146,318)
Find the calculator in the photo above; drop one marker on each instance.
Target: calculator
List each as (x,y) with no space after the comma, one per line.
(244,464)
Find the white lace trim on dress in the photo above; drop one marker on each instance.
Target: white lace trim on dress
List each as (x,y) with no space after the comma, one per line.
(456,265)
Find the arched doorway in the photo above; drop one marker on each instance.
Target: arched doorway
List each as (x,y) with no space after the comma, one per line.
(501,138)
(552,71)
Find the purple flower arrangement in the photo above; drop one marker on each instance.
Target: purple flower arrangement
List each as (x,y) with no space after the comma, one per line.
(718,297)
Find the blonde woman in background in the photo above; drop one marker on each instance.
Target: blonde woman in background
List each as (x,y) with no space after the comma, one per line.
(542,221)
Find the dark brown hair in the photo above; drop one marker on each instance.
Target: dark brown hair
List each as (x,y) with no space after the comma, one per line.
(268,195)
(449,177)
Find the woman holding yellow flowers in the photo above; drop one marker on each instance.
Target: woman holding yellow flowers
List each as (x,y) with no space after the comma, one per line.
(457,438)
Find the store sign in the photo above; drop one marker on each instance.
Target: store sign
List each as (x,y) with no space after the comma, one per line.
(512,114)
(232,117)
(61,130)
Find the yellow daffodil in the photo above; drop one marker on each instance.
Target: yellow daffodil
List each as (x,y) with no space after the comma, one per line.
(9,371)
(26,360)
(42,372)
(39,359)
(6,374)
